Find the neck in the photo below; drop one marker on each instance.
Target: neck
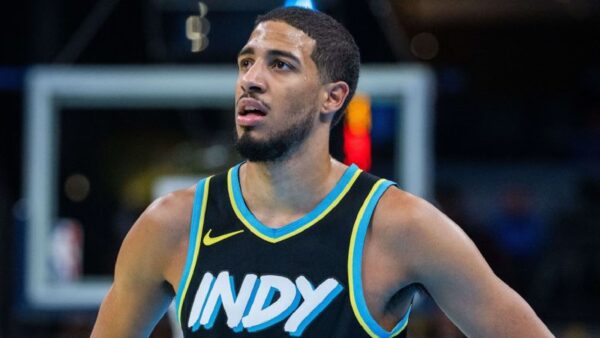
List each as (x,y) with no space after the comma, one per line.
(282,191)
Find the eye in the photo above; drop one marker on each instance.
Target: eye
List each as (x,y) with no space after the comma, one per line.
(244,63)
(278,64)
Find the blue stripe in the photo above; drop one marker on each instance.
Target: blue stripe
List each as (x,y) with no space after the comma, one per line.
(330,297)
(195,222)
(212,281)
(281,316)
(356,267)
(279,232)
(214,314)
(240,326)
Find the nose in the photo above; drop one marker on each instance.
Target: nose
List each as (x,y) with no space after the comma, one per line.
(252,80)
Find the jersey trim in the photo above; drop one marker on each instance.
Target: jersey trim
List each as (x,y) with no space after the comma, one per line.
(357,241)
(196,225)
(276,235)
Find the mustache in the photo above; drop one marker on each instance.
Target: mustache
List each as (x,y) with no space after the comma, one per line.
(254,97)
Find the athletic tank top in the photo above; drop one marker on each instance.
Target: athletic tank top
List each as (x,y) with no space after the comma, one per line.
(244,279)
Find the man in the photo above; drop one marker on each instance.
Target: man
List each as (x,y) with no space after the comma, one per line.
(292,242)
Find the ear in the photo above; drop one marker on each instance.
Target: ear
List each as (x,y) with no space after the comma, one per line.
(334,95)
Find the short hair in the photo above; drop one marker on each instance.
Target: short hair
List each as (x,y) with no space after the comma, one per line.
(336,54)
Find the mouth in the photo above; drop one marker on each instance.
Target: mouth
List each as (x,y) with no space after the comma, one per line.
(250,106)
(250,112)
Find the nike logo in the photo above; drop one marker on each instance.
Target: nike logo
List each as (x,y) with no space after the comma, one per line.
(208,241)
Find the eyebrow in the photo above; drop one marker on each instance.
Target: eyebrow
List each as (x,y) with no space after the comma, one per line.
(272,52)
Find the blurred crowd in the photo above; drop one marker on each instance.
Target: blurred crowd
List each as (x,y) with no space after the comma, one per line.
(553,262)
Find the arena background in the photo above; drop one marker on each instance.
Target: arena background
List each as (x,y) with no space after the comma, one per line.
(516,130)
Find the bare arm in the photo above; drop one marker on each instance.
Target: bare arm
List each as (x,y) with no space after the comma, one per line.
(149,256)
(439,255)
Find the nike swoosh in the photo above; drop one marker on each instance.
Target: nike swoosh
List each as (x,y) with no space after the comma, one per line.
(208,241)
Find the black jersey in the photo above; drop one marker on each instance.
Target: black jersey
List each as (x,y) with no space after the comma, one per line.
(243,278)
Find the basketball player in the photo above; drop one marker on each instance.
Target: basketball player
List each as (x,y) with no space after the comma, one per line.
(292,242)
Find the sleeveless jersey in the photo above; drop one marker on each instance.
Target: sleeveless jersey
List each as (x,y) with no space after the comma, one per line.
(244,279)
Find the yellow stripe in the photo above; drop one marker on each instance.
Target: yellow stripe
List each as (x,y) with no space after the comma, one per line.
(197,242)
(351,259)
(297,231)
(403,326)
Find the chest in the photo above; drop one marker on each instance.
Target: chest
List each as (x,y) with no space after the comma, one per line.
(313,269)
(307,274)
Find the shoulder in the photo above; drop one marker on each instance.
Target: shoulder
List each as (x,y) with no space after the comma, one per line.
(167,220)
(148,260)
(400,212)
(159,235)
(409,227)
(170,213)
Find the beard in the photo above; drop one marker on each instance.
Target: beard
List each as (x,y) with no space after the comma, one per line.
(278,145)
